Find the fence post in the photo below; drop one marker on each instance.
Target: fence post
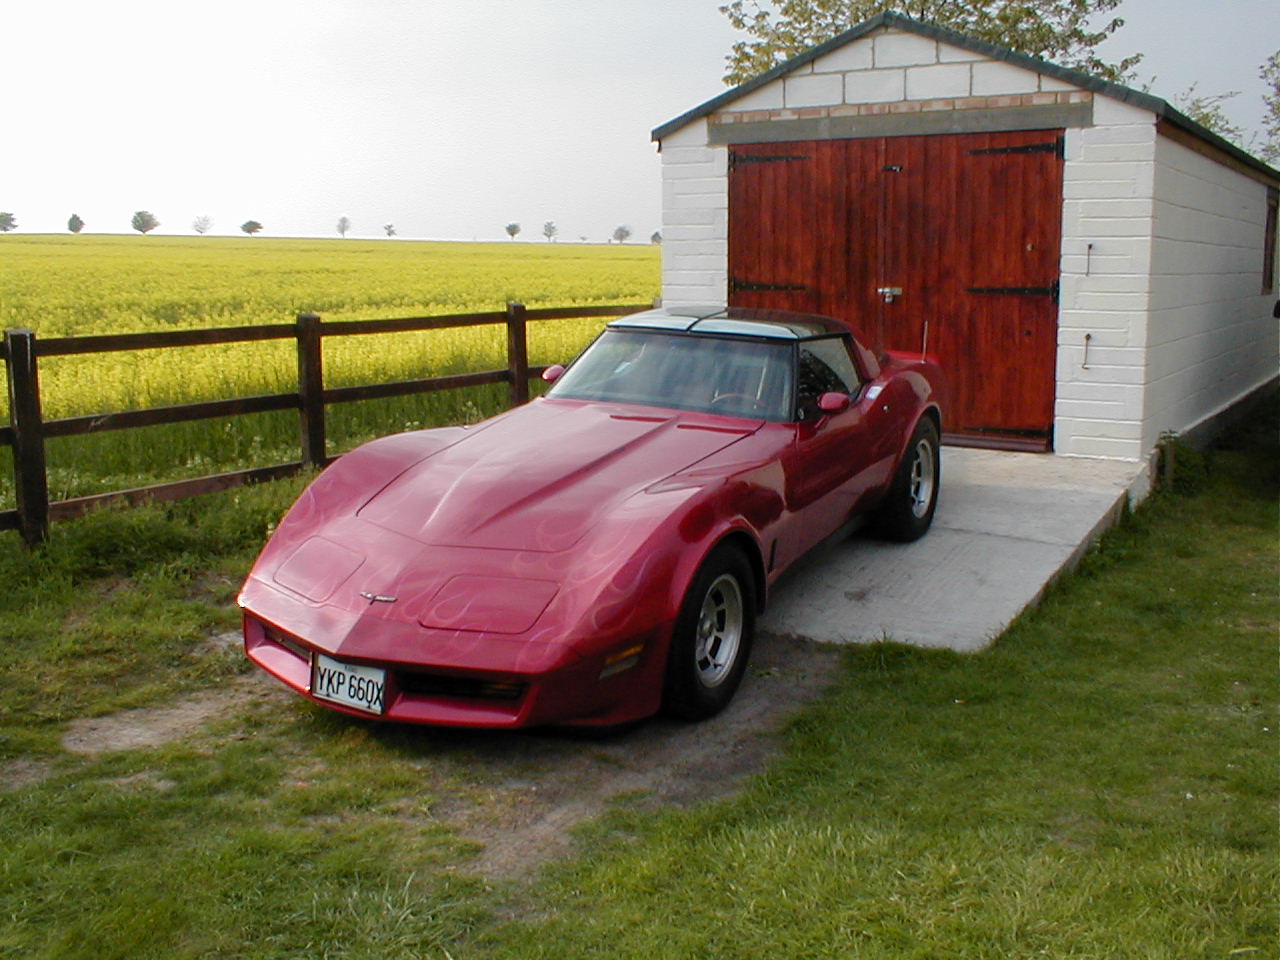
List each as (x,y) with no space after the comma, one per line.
(31,480)
(311,390)
(517,355)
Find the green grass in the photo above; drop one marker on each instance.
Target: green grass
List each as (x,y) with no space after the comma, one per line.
(278,833)
(73,285)
(232,850)
(1101,783)
(105,616)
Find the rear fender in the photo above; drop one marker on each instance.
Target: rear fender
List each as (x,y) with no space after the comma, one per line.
(930,412)
(917,381)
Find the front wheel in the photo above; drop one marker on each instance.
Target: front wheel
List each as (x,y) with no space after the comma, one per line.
(712,638)
(907,511)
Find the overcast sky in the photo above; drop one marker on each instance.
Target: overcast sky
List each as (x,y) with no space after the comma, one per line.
(448,118)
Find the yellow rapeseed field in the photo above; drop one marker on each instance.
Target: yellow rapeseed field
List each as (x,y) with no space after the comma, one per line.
(74,285)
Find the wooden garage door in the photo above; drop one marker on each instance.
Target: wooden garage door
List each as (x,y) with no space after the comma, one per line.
(966,226)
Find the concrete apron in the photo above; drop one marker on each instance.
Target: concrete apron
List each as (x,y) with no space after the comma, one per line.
(1007,525)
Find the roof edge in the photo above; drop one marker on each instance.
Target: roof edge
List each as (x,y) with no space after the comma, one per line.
(1161,108)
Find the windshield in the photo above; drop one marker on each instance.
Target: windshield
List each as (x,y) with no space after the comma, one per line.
(739,378)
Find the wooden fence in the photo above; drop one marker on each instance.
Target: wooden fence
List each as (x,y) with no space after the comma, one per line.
(28,431)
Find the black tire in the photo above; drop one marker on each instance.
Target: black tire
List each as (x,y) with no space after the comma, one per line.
(908,508)
(712,639)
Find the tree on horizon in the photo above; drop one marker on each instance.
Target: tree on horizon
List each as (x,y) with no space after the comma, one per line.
(512,229)
(144,221)
(251,227)
(202,223)
(344,224)
(7,222)
(75,224)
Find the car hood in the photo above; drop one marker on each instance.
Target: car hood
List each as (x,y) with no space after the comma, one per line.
(538,478)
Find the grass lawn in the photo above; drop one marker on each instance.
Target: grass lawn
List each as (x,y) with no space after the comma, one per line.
(1101,783)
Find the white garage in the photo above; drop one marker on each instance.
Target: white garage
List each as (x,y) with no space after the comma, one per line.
(1091,267)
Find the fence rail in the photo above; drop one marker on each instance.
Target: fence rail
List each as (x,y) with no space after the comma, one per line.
(28,430)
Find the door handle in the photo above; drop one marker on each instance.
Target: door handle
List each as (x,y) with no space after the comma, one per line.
(889,293)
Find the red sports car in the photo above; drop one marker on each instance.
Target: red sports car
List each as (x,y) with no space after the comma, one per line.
(601,553)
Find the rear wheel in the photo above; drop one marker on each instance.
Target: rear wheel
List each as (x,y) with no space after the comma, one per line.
(712,638)
(908,508)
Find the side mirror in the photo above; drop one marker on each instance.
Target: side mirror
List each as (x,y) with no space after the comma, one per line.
(833,402)
(552,373)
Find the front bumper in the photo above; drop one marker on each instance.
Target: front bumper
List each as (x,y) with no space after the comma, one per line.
(558,688)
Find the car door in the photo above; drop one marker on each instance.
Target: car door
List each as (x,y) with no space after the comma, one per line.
(829,465)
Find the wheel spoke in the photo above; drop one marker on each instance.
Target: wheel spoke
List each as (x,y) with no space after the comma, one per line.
(720,625)
(921,484)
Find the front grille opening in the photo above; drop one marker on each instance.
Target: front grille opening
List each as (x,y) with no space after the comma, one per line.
(470,688)
(284,640)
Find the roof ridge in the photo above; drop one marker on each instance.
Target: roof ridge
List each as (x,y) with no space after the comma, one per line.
(888,18)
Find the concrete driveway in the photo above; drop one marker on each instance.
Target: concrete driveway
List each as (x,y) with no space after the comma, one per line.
(1007,524)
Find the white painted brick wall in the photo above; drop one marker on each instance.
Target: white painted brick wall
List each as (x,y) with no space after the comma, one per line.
(938,81)
(852,56)
(1056,86)
(695,223)
(950,54)
(895,48)
(1108,112)
(1106,252)
(766,98)
(995,77)
(1211,335)
(875,86)
(816,90)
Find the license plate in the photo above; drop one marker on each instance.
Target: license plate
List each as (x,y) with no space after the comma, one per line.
(348,684)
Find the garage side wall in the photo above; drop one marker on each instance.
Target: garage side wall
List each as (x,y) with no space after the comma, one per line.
(1211,338)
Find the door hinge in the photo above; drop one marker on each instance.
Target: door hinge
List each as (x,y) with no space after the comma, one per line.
(750,286)
(1010,432)
(1052,290)
(1058,147)
(742,159)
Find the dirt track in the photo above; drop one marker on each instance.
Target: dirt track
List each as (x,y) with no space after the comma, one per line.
(546,782)
(659,762)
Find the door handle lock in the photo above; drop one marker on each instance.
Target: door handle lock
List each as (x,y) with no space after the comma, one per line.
(889,293)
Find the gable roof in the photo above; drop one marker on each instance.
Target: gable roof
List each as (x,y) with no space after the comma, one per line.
(1161,108)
